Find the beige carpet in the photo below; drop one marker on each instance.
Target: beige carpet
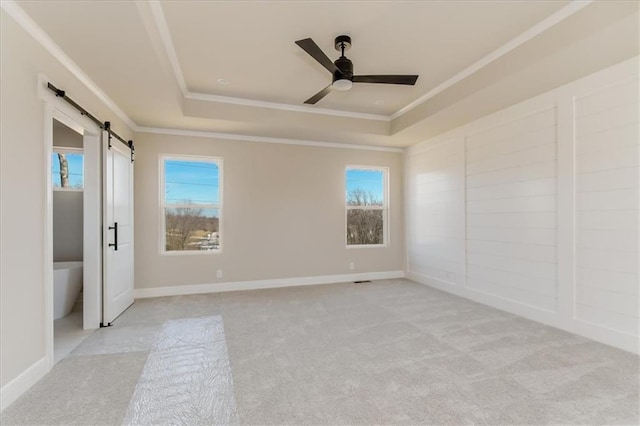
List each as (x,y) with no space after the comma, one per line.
(387,352)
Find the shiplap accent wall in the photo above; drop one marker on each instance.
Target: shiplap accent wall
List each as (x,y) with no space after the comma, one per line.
(437,221)
(607,200)
(511,210)
(535,209)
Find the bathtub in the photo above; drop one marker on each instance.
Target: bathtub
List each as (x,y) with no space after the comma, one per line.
(67,283)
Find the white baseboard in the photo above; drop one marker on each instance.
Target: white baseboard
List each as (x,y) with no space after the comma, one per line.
(611,337)
(179,290)
(608,336)
(513,307)
(16,387)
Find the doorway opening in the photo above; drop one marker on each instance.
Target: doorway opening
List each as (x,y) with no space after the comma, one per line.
(73,235)
(67,178)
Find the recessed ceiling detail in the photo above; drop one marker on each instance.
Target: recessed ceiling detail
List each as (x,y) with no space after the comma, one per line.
(473,58)
(176,21)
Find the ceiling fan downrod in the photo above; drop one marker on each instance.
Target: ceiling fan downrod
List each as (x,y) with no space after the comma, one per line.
(342,43)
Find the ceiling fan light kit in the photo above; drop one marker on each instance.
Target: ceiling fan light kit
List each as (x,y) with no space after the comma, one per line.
(342,84)
(342,69)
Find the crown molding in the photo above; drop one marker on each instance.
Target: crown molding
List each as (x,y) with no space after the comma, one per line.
(165,36)
(34,30)
(560,15)
(263,139)
(284,107)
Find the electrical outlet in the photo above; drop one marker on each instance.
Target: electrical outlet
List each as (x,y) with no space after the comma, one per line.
(352,266)
(219,273)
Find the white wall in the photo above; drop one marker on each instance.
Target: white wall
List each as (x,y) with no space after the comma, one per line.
(535,209)
(65,137)
(67,226)
(23,190)
(510,175)
(606,123)
(283,214)
(435,219)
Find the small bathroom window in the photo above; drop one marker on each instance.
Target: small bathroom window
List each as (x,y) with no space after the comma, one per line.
(67,169)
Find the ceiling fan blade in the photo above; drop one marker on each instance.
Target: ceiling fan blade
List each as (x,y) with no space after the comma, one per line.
(321,94)
(386,79)
(310,46)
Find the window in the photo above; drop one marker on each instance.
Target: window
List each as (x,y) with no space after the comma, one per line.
(367,209)
(191,204)
(67,169)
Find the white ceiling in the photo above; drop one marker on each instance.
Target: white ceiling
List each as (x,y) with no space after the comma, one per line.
(160,61)
(252,45)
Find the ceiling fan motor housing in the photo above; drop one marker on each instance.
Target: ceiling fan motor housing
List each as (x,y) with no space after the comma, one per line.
(345,66)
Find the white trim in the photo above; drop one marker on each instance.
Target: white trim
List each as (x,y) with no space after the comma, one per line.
(92,232)
(284,107)
(608,336)
(49,115)
(219,161)
(262,139)
(61,189)
(364,246)
(179,290)
(542,26)
(67,150)
(28,24)
(19,385)
(165,37)
(372,207)
(566,167)
(54,108)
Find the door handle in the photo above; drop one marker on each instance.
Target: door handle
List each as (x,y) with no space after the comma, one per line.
(115,237)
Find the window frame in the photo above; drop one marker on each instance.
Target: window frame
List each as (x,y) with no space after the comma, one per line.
(163,205)
(67,150)
(384,207)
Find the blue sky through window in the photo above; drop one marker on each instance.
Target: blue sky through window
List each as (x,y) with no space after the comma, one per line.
(193,182)
(369,180)
(76,170)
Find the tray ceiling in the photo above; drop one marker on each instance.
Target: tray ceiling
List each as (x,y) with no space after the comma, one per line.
(162,62)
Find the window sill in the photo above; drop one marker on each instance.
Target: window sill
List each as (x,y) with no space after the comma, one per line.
(55,189)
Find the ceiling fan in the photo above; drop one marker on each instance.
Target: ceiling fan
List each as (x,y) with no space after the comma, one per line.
(342,69)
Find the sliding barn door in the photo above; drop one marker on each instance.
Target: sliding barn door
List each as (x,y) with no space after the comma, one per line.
(117,288)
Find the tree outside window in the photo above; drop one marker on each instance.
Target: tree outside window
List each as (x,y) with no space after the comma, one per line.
(191,204)
(67,169)
(366,206)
